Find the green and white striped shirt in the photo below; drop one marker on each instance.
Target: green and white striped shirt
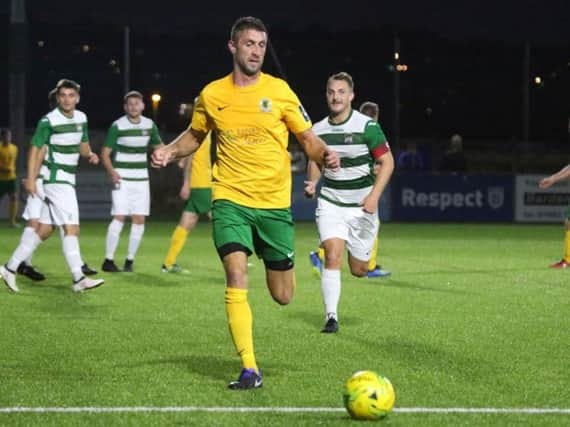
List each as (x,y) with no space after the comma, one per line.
(358,141)
(63,136)
(129,142)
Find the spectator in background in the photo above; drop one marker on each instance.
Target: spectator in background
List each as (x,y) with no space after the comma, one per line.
(454,160)
(410,159)
(8,155)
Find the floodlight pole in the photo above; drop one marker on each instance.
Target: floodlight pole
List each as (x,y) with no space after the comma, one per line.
(17,78)
(396,125)
(526,94)
(126,59)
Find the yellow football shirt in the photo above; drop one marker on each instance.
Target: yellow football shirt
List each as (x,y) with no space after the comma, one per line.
(252,124)
(8,155)
(201,173)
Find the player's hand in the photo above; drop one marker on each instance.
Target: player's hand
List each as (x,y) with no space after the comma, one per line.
(546,182)
(30,186)
(160,157)
(310,189)
(369,204)
(93,158)
(185,191)
(332,161)
(115,177)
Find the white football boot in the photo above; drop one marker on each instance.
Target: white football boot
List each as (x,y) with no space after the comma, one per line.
(85,284)
(9,278)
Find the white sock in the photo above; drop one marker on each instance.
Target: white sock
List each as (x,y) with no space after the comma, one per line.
(137,231)
(113,235)
(73,256)
(28,244)
(330,288)
(26,234)
(62,235)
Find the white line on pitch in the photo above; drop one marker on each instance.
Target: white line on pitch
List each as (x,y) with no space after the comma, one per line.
(87,409)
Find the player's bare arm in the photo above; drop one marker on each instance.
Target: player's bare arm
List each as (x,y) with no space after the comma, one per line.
(185,189)
(558,176)
(42,155)
(34,163)
(108,165)
(317,150)
(184,145)
(386,162)
(313,177)
(85,152)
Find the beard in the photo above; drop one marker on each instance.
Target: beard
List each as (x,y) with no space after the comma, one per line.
(333,112)
(247,69)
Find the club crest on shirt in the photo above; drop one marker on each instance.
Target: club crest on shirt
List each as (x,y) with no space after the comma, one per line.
(265,105)
(144,132)
(79,127)
(348,138)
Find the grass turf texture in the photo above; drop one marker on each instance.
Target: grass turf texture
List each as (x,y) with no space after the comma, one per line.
(471,317)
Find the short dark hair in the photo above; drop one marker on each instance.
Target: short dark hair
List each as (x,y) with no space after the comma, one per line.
(369,107)
(4,132)
(133,94)
(343,75)
(67,84)
(246,23)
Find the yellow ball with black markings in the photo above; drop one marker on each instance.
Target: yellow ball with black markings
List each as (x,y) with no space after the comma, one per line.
(368,396)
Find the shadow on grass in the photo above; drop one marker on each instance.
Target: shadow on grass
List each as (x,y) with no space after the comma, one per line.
(211,366)
(431,357)
(402,284)
(166,280)
(59,299)
(316,319)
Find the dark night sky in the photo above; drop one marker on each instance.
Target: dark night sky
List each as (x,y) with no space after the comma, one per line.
(466,57)
(542,21)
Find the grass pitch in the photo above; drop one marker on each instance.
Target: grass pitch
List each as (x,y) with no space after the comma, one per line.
(471,318)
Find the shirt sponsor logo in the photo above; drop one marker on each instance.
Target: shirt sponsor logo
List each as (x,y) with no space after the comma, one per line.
(265,105)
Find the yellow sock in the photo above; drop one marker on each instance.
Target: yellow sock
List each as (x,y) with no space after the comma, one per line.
(567,246)
(372,262)
(321,253)
(13,210)
(240,322)
(176,244)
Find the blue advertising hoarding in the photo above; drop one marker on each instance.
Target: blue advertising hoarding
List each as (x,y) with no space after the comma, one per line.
(452,198)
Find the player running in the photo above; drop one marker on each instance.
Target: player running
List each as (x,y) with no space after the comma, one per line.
(252,114)
(348,201)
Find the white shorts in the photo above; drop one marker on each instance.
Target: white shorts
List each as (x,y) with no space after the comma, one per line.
(34,204)
(131,198)
(60,205)
(351,224)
